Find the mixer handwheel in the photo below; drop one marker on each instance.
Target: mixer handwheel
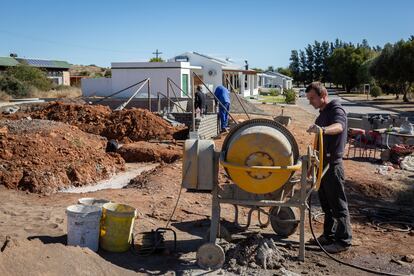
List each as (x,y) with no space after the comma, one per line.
(284,220)
(210,256)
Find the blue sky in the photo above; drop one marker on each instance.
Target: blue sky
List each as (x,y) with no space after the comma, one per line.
(263,32)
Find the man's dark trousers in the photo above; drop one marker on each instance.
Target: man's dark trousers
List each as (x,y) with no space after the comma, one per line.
(335,206)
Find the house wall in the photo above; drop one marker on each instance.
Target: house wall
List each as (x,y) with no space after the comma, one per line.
(207,65)
(96,87)
(66,78)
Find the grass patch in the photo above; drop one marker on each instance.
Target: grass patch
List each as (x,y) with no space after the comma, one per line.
(272,99)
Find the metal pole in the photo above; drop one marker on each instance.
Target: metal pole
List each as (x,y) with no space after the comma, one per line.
(237,97)
(117,92)
(303,182)
(149,94)
(234,120)
(168,96)
(193,107)
(172,101)
(122,106)
(175,95)
(158,102)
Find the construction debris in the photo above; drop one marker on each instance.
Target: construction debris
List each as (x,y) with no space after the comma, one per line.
(150,152)
(256,252)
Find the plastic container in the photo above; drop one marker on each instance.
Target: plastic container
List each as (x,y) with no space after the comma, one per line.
(116,227)
(90,201)
(83,225)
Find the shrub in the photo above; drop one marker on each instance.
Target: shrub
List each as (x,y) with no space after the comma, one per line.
(274,92)
(290,96)
(4,97)
(375,91)
(30,75)
(14,87)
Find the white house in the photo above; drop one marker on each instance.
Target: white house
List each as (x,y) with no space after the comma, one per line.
(216,71)
(126,74)
(179,70)
(271,79)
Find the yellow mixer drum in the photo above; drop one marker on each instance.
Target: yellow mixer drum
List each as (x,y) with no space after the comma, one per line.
(260,142)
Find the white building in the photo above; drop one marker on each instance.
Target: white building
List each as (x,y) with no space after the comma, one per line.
(179,70)
(271,79)
(216,71)
(126,74)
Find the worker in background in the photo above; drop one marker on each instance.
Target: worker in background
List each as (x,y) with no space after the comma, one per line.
(200,101)
(332,121)
(223,95)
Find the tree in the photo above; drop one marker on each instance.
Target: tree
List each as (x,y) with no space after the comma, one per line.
(294,65)
(318,61)
(344,65)
(310,66)
(270,68)
(284,71)
(154,59)
(325,55)
(302,65)
(394,67)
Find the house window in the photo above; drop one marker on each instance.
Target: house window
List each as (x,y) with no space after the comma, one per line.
(184,84)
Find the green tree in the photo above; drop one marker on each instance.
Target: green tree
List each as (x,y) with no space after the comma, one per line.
(345,63)
(154,59)
(310,64)
(394,67)
(284,71)
(294,66)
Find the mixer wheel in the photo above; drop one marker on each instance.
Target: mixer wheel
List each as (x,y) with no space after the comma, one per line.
(284,220)
(210,256)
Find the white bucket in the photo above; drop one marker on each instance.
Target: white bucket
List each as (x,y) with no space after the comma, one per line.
(84,225)
(90,201)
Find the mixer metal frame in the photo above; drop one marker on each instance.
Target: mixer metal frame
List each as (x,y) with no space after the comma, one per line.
(300,203)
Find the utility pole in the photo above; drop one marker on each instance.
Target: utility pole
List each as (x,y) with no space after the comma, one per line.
(157,53)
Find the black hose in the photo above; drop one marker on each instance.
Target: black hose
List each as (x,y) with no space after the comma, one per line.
(336,259)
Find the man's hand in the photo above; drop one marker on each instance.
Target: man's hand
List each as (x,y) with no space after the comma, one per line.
(313,129)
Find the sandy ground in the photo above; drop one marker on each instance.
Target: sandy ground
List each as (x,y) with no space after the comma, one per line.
(37,217)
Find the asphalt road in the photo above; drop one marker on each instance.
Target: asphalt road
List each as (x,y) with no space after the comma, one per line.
(349,107)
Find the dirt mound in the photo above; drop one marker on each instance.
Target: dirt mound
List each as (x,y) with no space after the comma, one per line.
(43,156)
(125,125)
(150,152)
(24,257)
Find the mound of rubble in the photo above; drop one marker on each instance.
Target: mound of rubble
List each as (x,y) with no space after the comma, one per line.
(150,152)
(255,252)
(125,125)
(43,156)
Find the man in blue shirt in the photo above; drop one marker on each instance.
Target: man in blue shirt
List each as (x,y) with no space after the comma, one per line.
(223,95)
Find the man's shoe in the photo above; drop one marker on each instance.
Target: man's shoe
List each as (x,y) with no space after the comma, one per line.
(323,240)
(336,247)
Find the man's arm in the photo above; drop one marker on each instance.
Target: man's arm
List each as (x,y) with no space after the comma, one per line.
(333,129)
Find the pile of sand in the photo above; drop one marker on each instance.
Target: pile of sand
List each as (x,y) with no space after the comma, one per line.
(24,257)
(43,156)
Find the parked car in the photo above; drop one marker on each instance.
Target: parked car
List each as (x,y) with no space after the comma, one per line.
(302,93)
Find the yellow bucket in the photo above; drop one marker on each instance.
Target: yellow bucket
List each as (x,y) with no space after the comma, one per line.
(117,224)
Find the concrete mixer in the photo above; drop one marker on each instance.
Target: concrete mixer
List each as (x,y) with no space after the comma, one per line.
(261,157)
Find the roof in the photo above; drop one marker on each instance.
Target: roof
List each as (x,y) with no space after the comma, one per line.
(8,61)
(45,63)
(277,74)
(153,65)
(225,63)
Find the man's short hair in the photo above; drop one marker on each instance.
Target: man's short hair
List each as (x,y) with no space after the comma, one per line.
(318,87)
(199,87)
